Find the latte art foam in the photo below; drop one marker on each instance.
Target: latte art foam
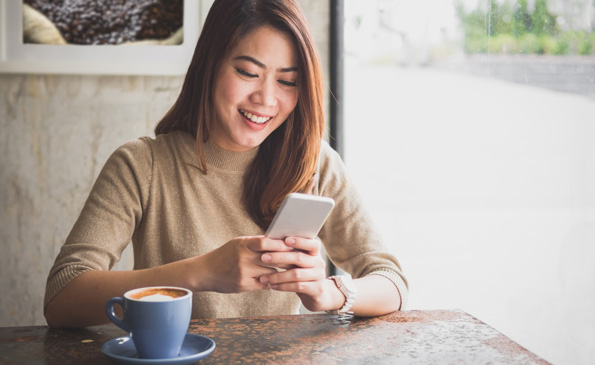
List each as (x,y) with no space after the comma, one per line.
(156,294)
(156,298)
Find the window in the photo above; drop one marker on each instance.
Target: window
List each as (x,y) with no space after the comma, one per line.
(470,132)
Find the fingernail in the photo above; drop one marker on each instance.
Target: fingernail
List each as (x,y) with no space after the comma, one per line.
(290,241)
(264,279)
(266,258)
(274,286)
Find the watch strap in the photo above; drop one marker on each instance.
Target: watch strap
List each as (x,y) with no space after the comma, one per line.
(349,290)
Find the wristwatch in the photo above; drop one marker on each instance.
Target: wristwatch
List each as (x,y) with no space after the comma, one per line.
(349,290)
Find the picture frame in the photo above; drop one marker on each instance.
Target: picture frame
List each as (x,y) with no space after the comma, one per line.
(139,59)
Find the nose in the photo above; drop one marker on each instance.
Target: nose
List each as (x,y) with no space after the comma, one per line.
(265,95)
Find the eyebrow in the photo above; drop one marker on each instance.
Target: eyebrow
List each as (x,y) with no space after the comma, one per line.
(262,65)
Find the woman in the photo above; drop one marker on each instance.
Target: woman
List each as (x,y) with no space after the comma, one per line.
(245,131)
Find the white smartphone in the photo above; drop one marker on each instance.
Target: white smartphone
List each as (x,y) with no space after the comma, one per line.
(300,215)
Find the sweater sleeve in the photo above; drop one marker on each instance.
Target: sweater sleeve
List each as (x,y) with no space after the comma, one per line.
(351,241)
(108,219)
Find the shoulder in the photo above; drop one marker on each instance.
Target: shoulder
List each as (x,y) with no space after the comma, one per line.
(131,150)
(327,151)
(329,160)
(132,160)
(332,174)
(151,149)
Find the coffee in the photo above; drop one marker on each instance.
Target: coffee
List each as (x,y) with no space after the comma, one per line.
(157,294)
(157,319)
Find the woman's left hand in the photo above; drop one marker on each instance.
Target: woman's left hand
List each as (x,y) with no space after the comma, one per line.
(305,274)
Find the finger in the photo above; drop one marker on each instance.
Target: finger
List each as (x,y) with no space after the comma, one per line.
(300,287)
(243,283)
(255,280)
(266,260)
(280,267)
(294,275)
(264,271)
(264,244)
(258,285)
(292,258)
(311,246)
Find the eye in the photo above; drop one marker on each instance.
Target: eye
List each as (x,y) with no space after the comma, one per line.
(245,73)
(288,83)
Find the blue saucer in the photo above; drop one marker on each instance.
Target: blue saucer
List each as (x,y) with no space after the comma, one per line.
(194,348)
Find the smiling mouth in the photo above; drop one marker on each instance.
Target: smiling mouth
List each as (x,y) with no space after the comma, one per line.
(254,118)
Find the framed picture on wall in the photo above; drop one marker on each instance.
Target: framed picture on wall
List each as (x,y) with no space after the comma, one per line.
(96,37)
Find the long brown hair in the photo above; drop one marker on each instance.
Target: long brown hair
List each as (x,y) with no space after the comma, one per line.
(287,159)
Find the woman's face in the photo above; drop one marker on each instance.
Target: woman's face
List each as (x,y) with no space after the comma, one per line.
(255,89)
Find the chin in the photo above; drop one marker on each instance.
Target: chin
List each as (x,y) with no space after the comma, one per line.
(253,145)
(248,145)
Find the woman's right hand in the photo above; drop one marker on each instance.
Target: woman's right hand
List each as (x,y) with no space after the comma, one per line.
(236,266)
(232,268)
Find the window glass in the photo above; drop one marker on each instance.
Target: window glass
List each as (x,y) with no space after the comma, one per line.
(470,133)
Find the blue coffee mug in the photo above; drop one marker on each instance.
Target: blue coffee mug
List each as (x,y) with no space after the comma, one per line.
(157,319)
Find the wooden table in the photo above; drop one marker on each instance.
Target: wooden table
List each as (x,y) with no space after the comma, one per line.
(410,337)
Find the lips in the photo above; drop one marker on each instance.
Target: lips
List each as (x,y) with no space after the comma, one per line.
(254,118)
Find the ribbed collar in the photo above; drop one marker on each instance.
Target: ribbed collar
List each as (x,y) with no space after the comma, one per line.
(216,156)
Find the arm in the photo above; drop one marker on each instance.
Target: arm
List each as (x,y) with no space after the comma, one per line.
(82,302)
(376,295)
(123,206)
(233,268)
(353,244)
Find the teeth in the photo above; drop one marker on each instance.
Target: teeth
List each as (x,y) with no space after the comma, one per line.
(255,118)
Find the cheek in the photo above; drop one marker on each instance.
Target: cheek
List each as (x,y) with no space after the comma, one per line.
(290,101)
(228,92)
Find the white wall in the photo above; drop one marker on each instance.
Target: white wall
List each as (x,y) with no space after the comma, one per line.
(56,132)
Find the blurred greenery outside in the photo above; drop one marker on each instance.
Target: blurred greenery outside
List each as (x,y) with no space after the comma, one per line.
(510,28)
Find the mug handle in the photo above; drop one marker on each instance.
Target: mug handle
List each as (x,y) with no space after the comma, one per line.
(111,313)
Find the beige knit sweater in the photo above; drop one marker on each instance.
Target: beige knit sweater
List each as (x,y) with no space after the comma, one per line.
(151,192)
